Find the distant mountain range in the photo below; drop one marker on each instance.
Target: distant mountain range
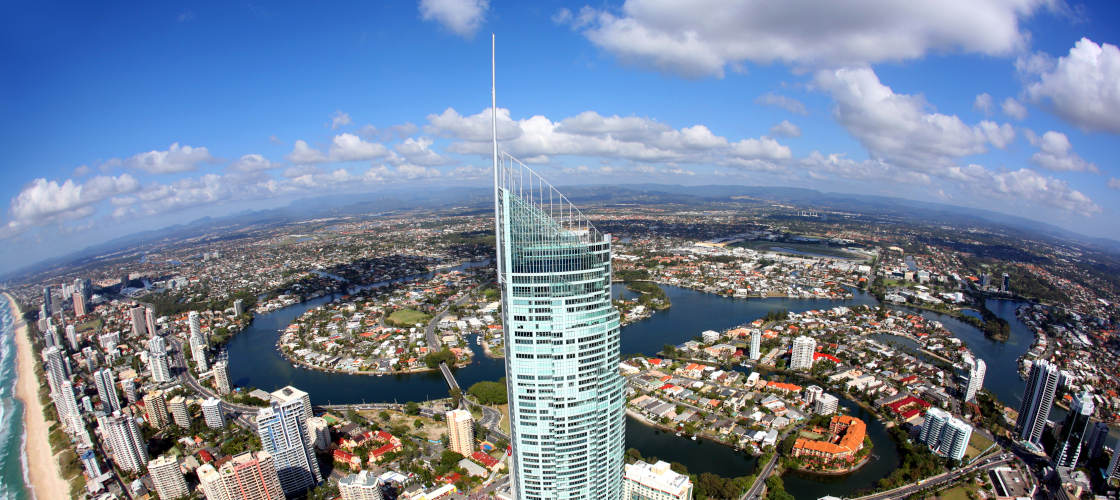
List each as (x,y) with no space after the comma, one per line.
(583,195)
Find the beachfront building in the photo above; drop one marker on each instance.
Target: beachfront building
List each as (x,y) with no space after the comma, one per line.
(756,344)
(283,432)
(1076,426)
(646,481)
(561,342)
(1038,399)
(460,430)
(360,486)
(167,477)
(213,414)
(801,356)
(106,384)
(67,407)
(248,476)
(130,450)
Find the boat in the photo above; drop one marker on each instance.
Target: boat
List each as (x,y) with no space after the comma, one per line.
(694,438)
(678,434)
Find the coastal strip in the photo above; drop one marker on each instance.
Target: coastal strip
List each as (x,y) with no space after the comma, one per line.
(46,481)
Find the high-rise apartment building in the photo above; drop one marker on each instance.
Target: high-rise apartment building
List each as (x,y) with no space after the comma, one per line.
(756,344)
(54,368)
(826,404)
(1094,444)
(106,384)
(139,329)
(360,486)
(179,412)
(945,434)
(194,321)
(801,356)
(460,430)
(160,367)
(150,321)
(812,393)
(646,481)
(221,377)
(1067,450)
(1038,399)
(198,352)
(283,432)
(289,393)
(155,407)
(248,476)
(79,304)
(130,393)
(238,307)
(972,377)
(48,302)
(67,407)
(130,450)
(319,433)
(562,342)
(1114,465)
(89,461)
(213,413)
(72,337)
(167,477)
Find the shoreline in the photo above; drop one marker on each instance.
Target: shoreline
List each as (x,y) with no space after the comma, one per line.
(40,467)
(367,373)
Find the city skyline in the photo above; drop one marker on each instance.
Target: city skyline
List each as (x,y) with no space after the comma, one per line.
(1030,132)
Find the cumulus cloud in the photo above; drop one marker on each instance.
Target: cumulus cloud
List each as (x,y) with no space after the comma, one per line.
(785,129)
(701,39)
(1014,109)
(339,119)
(349,147)
(900,128)
(175,159)
(1082,87)
(638,139)
(1056,153)
(1025,186)
(1114,183)
(787,103)
(45,201)
(983,103)
(418,151)
(462,17)
(303,153)
(251,163)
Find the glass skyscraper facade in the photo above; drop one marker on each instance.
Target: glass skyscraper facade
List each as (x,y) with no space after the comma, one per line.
(562,342)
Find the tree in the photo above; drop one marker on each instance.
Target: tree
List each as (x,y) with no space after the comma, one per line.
(489,393)
(412,408)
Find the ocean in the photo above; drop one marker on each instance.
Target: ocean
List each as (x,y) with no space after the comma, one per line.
(13,468)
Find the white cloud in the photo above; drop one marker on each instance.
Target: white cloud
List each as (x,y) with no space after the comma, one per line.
(45,201)
(462,17)
(1083,87)
(1014,109)
(82,171)
(1025,187)
(302,153)
(175,159)
(251,163)
(899,128)
(787,103)
(349,147)
(786,129)
(1056,153)
(702,38)
(1114,183)
(418,151)
(339,119)
(983,103)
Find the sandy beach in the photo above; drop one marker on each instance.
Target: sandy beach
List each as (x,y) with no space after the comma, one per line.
(46,480)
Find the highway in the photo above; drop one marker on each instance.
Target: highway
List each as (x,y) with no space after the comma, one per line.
(240,414)
(943,479)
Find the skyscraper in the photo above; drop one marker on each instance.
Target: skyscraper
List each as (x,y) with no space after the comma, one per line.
(221,377)
(158,363)
(248,476)
(130,451)
(179,412)
(1114,465)
(646,481)
(129,386)
(213,413)
(1094,444)
(945,434)
(72,337)
(238,307)
(48,302)
(1038,398)
(360,486)
(150,321)
(55,368)
(562,341)
(283,434)
(167,477)
(460,431)
(756,344)
(1068,448)
(198,352)
(155,405)
(106,384)
(195,323)
(289,393)
(973,375)
(138,327)
(67,407)
(79,304)
(801,356)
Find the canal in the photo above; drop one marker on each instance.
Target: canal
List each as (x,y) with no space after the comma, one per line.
(254,361)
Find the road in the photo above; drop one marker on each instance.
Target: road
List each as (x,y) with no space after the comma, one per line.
(755,491)
(430,332)
(943,479)
(241,414)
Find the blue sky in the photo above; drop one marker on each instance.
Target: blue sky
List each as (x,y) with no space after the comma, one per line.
(134,116)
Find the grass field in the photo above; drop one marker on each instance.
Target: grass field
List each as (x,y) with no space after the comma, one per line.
(977,444)
(957,493)
(407,317)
